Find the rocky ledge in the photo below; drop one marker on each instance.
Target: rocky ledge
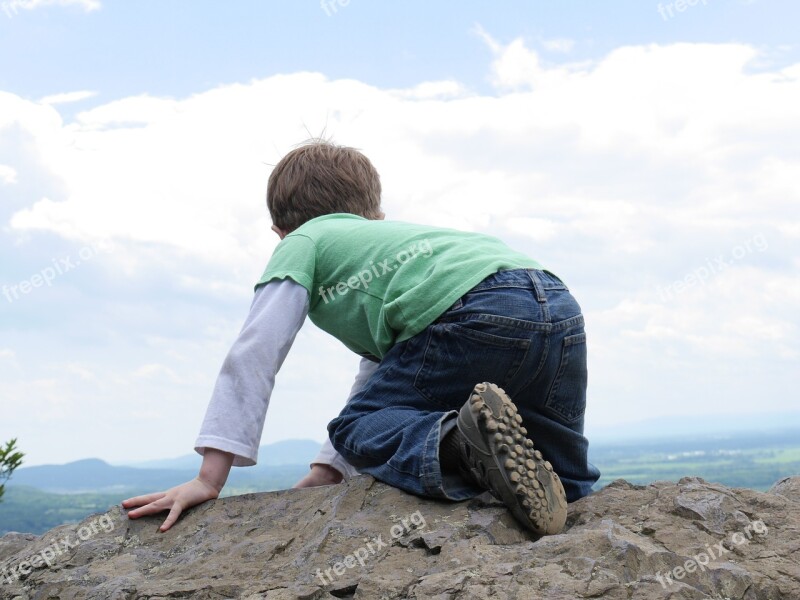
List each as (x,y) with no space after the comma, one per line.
(363,539)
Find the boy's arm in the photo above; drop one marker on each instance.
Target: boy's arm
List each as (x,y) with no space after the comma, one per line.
(235,416)
(232,428)
(329,466)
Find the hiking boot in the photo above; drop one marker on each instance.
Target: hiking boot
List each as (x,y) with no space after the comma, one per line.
(497,455)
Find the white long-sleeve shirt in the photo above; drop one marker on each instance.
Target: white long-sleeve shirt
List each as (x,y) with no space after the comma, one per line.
(235,416)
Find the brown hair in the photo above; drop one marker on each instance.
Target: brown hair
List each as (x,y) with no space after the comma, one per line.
(319,178)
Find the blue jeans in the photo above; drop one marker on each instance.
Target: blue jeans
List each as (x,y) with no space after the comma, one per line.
(520,329)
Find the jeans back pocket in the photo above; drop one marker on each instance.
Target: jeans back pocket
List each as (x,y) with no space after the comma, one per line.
(457,356)
(566,399)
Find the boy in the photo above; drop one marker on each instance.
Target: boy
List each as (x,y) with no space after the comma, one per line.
(439,317)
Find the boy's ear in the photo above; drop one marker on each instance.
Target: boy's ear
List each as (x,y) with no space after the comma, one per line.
(281,233)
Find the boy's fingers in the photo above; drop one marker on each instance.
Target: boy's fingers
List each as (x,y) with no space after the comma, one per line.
(173,515)
(142,500)
(150,509)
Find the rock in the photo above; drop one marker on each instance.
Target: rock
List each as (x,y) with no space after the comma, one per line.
(788,487)
(364,539)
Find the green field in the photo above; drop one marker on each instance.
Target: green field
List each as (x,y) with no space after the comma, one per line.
(29,510)
(751,460)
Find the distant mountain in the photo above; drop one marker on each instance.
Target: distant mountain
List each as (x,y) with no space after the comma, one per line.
(284,459)
(676,427)
(286,452)
(95,475)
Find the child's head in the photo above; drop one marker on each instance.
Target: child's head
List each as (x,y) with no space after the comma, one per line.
(320,178)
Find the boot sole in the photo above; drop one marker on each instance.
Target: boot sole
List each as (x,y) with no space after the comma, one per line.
(502,458)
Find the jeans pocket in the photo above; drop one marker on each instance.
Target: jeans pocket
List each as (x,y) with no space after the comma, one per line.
(566,399)
(456,357)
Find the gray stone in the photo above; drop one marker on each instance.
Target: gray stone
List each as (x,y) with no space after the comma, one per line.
(366,540)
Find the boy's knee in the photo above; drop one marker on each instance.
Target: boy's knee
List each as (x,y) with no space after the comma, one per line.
(341,432)
(337,432)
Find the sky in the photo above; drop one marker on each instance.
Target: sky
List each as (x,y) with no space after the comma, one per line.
(646,152)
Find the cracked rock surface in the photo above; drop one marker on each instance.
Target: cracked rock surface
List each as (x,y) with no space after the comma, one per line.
(363,539)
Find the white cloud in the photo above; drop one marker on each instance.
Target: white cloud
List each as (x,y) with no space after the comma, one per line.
(539,230)
(83,372)
(154,371)
(559,45)
(68,97)
(430,90)
(8,174)
(622,175)
(517,66)
(87,5)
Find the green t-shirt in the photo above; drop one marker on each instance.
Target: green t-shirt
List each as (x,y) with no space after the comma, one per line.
(373,284)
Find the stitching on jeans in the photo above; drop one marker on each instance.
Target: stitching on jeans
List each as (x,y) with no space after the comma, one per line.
(545,354)
(564,360)
(516,344)
(575,321)
(500,320)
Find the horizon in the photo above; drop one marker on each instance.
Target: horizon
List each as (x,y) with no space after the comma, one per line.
(602,438)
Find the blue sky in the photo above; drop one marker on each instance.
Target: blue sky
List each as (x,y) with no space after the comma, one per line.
(180,48)
(647,155)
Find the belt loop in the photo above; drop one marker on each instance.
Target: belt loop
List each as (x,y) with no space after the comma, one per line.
(538,290)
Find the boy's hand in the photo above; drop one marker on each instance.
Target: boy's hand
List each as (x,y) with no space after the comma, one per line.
(176,500)
(206,486)
(320,475)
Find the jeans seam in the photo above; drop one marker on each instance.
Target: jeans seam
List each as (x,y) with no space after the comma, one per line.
(428,336)
(431,466)
(575,321)
(554,387)
(500,320)
(542,363)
